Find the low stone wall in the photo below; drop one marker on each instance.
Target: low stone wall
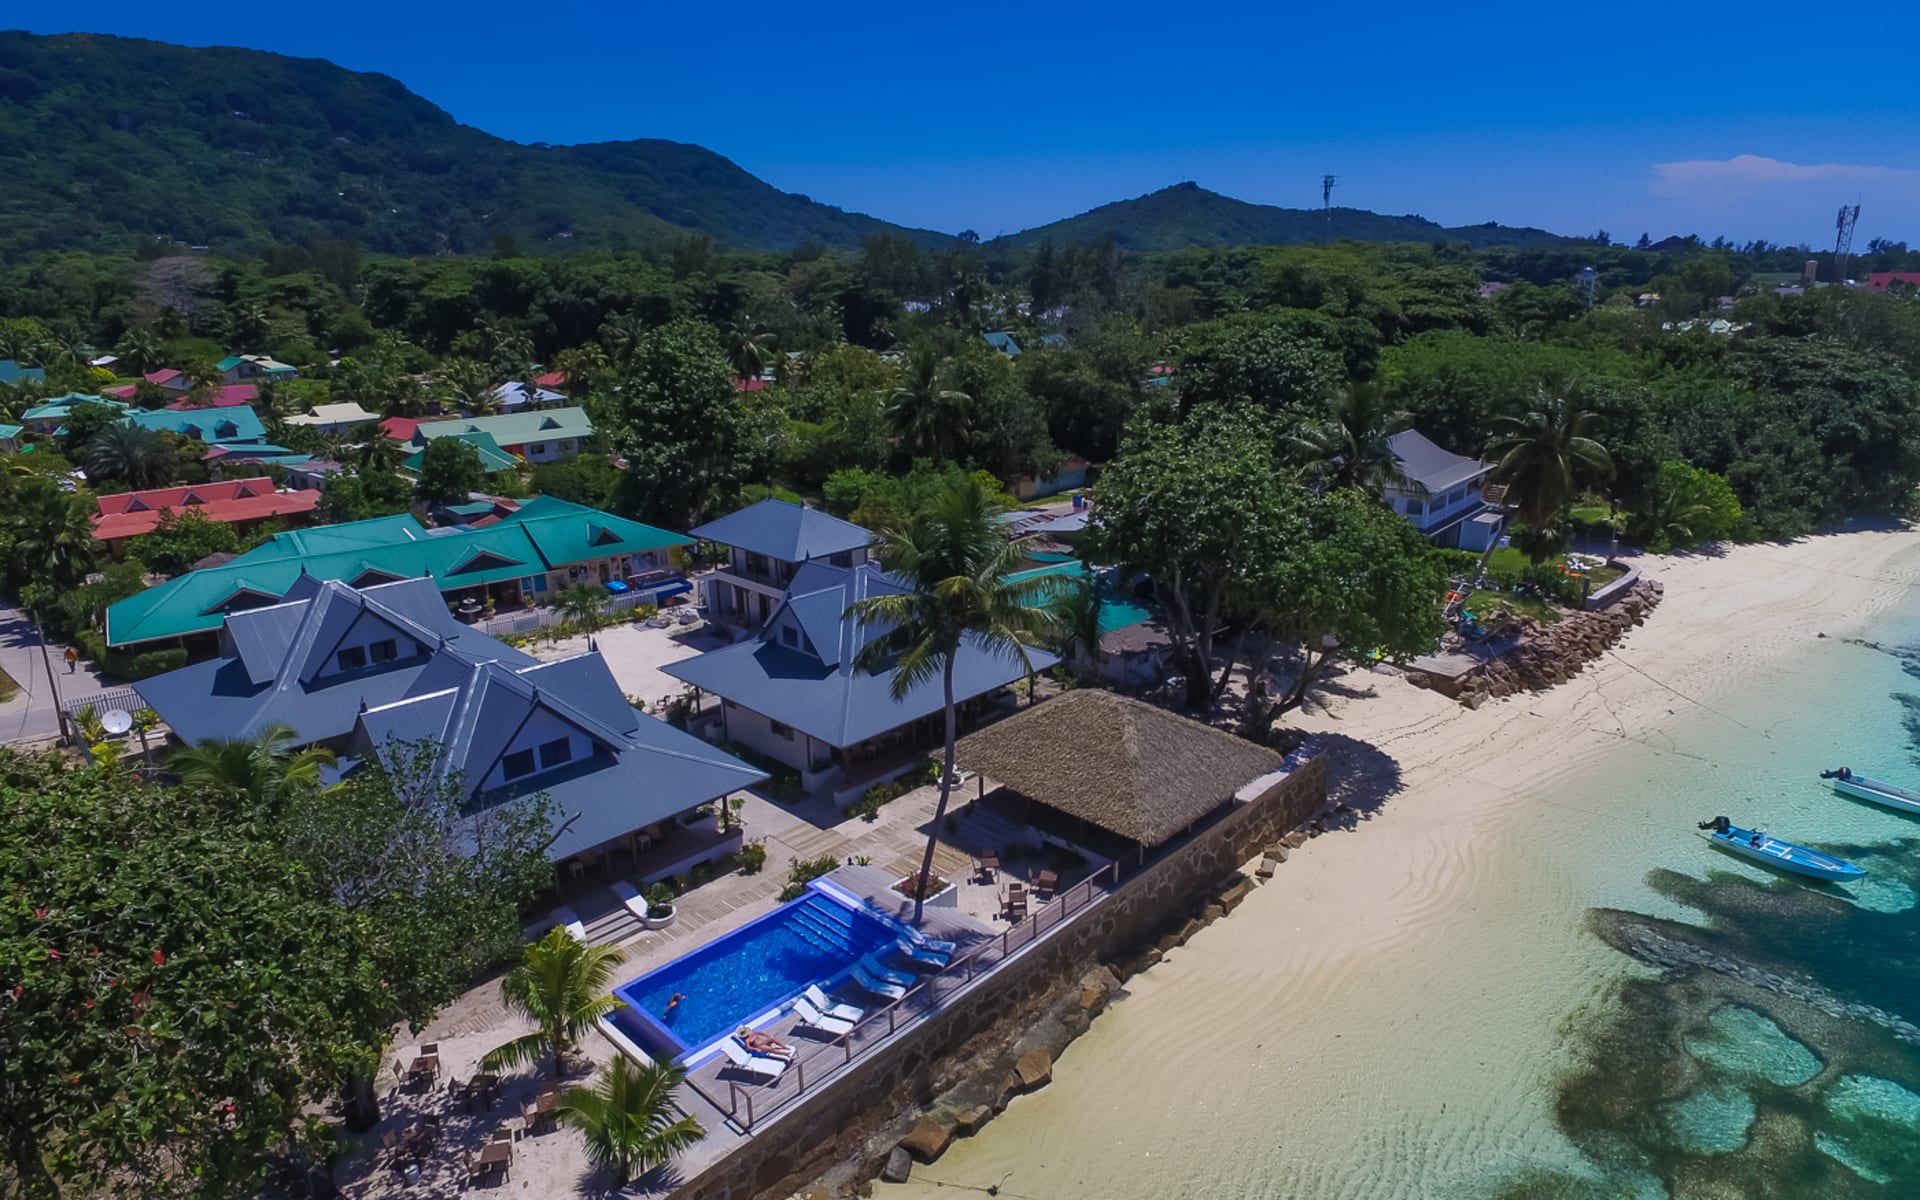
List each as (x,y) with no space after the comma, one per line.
(1606,596)
(1549,655)
(979,1034)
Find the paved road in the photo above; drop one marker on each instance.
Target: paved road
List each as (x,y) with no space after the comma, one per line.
(30,715)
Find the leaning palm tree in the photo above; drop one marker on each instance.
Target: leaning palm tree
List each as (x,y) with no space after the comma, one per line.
(581,605)
(627,1118)
(1350,448)
(136,456)
(954,562)
(46,535)
(139,351)
(560,984)
(927,414)
(266,768)
(1543,456)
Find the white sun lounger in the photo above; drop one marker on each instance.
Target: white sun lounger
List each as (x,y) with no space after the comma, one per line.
(631,897)
(827,1005)
(880,970)
(925,958)
(815,1019)
(878,987)
(937,945)
(570,921)
(746,1060)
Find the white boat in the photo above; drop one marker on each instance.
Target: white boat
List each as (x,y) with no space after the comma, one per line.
(1874,791)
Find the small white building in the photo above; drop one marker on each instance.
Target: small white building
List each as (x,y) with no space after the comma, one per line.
(1439,492)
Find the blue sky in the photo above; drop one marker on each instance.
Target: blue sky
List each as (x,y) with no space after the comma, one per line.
(1633,116)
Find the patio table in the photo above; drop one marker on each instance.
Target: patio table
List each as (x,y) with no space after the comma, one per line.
(497,1153)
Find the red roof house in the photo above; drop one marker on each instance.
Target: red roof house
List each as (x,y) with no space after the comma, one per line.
(229,501)
(231,395)
(552,380)
(400,429)
(1880,281)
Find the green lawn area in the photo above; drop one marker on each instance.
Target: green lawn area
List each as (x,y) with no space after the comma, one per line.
(8,688)
(1483,601)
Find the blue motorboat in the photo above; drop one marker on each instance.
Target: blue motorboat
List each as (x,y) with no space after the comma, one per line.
(1763,848)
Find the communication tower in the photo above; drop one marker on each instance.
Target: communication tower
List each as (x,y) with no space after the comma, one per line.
(1326,204)
(1843,241)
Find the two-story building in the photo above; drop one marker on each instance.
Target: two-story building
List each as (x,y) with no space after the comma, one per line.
(766,544)
(1440,493)
(255,368)
(535,435)
(799,694)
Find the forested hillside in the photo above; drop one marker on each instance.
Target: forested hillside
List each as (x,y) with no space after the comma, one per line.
(105,138)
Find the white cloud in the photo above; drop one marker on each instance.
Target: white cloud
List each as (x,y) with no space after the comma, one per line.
(1754,170)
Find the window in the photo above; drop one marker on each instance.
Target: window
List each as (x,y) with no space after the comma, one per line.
(352,658)
(533,585)
(842,559)
(534,448)
(385,651)
(517,764)
(779,730)
(555,752)
(789,636)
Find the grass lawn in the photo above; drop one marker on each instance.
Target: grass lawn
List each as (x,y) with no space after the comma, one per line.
(1482,602)
(8,688)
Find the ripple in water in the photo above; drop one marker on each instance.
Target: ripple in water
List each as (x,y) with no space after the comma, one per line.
(1743,1042)
(1714,1120)
(1875,1125)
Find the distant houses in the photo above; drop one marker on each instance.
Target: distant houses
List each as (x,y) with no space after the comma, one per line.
(766,545)
(1003,342)
(242,503)
(334,420)
(535,435)
(249,368)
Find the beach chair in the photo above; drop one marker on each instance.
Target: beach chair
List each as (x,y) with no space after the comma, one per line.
(813,1018)
(878,987)
(917,956)
(570,921)
(753,1064)
(825,1003)
(631,897)
(1016,902)
(1045,883)
(880,970)
(937,945)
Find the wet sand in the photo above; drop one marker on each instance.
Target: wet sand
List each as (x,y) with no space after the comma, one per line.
(1386,1017)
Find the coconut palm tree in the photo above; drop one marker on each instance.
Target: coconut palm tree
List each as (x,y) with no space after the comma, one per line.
(749,347)
(627,1118)
(1076,606)
(928,415)
(137,457)
(621,334)
(955,564)
(46,534)
(468,385)
(1349,448)
(1543,456)
(139,351)
(380,453)
(580,367)
(248,324)
(265,768)
(560,984)
(581,605)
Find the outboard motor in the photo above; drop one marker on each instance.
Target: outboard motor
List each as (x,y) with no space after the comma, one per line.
(1842,773)
(1718,825)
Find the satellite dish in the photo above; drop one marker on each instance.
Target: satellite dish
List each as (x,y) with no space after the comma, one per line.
(116,720)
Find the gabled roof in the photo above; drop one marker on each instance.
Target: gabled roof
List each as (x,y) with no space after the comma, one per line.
(642,770)
(335,414)
(230,395)
(58,408)
(1128,767)
(818,689)
(1426,464)
(783,530)
(516,394)
(274,656)
(492,457)
(1003,342)
(225,425)
(512,429)
(129,514)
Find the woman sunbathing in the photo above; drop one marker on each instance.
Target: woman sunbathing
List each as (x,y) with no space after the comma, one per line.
(763,1043)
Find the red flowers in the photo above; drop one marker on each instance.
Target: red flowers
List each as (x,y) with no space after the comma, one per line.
(159,959)
(53,954)
(40,914)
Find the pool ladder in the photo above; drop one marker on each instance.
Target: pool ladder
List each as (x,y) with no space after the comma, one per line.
(823,930)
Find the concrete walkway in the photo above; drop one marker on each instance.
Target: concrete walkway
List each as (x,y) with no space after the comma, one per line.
(32,714)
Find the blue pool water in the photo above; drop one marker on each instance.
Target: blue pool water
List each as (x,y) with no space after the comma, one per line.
(1117,610)
(743,974)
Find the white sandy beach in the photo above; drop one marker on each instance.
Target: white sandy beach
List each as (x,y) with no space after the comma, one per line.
(1376,1021)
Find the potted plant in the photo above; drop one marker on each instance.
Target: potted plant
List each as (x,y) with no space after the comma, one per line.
(660,911)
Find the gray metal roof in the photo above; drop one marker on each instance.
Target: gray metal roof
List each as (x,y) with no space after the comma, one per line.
(789,532)
(1426,464)
(821,693)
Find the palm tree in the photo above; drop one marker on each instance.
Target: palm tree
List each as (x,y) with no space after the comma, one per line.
(627,1118)
(927,414)
(139,350)
(469,386)
(560,984)
(202,378)
(136,456)
(265,768)
(581,605)
(380,453)
(579,368)
(955,563)
(1076,611)
(21,343)
(248,324)
(621,334)
(1350,448)
(1542,456)
(47,534)
(749,347)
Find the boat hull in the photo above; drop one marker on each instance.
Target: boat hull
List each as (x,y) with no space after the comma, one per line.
(1875,792)
(1786,856)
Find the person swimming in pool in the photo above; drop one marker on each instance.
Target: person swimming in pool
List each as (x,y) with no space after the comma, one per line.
(674,1003)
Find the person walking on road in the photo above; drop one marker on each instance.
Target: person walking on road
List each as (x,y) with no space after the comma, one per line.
(72,657)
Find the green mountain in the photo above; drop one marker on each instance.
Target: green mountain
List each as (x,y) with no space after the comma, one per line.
(1187,214)
(104,138)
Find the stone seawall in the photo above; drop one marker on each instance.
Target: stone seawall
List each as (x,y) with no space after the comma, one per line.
(1549,655)
(987,1044)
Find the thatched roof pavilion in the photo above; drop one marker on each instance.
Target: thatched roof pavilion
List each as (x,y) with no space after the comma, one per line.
(1127,767)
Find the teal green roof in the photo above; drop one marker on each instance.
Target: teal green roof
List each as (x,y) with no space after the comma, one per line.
(12,372)
(229,362)
(513,429)
(237,423)
(59,407)
(492,457)
(11,431)
(544,534)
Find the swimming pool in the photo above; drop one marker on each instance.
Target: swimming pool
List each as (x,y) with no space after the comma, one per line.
(743,975)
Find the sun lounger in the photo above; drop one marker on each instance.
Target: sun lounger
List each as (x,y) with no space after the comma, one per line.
(631,897)
(746,1060)
(878,987)
(569,920)
(937,945)
(881,970)
(813,1018)
(917,956)
(826,1004)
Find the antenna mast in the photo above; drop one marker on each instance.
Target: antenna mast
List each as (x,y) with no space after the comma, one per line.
(1843,241)
(1326,204)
